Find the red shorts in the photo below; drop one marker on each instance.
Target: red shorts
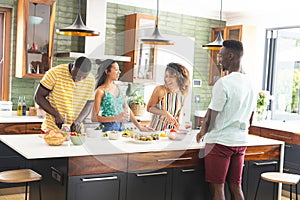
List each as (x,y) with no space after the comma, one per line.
(224,163)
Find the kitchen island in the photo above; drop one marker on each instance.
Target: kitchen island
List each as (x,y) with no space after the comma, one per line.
(125,169)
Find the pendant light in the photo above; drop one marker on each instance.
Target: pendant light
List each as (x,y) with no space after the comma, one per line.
(156,38)
(77,28)
(34,20)
(218,43)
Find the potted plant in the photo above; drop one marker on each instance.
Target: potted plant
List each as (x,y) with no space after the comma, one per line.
(137,104)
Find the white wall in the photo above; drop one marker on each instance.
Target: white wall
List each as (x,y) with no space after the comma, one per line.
(181,52)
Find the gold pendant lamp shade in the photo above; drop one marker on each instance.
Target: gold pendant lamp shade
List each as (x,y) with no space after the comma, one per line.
(217,44)
(77,28)
(156,38)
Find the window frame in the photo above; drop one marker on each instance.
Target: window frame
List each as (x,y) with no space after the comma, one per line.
(270,70)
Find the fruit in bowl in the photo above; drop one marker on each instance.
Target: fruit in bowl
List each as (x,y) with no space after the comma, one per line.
(77,138)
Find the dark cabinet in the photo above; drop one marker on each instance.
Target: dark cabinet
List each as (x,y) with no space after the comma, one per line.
(10,160)
(149,185)
(103,186)
(292,155)
(189,183)
(267,190)
(291,161)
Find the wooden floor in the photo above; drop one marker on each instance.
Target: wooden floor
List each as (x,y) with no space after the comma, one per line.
(22,197)
(5,195)
(12,197)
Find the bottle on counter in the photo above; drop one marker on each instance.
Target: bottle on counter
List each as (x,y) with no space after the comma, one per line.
(20,107)
(66,127)
(24,106)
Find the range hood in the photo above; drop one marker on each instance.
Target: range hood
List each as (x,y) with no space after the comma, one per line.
(95,46)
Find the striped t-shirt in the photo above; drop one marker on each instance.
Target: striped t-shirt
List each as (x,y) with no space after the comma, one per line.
(171,102)
(66,96)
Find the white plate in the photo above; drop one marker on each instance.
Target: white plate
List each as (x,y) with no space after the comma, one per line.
(142,142)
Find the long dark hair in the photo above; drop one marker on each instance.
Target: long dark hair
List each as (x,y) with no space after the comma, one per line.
(182,76)
(101,75)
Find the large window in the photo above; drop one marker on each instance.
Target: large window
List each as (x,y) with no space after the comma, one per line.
(5,25)
(283,72)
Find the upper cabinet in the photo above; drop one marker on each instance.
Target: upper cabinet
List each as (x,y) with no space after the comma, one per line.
(245,34)
(35,34)
(141,68)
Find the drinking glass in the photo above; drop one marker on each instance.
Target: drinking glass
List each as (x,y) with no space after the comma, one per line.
(188,125)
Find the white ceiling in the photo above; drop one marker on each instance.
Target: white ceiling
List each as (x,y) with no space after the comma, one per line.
(249,11)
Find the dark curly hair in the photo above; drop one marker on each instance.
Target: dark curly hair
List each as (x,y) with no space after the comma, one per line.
(182,76)
(235,46)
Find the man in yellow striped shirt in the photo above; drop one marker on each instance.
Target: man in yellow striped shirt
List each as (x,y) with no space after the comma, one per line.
(66,93)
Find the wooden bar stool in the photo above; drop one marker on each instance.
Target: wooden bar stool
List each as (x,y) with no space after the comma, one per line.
(278,177)
(21,176)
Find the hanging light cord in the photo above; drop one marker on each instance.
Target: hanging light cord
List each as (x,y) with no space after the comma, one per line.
(79,7)
(157,10)
(34,23)
(221,13)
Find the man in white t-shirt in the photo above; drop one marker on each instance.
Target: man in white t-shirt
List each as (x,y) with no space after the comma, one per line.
(226,124)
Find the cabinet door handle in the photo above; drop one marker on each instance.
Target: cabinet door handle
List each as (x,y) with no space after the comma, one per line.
(288,146)
(174,159)
(152,174)
(265,163)
(255,153)
(187,170)
(36,129)
(280,136)
(99,179)
(286,169)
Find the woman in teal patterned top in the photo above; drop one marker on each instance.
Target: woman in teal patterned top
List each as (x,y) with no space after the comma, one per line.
(109,105)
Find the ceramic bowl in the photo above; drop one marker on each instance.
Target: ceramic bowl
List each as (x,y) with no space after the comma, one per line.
(114,135)
(92,133)
(178,135)
(77,140)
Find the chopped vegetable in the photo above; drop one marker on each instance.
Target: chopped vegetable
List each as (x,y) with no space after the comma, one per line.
(99,127)
(105,134)
(151,137)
